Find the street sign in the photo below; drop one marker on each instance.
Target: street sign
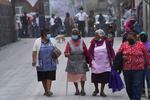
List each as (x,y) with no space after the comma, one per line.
(32,2)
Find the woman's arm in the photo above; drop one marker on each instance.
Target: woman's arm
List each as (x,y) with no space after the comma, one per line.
(34,56)
(91,49)
(146,55)
(86,53)
(111,50)
(34,53)
(67,50)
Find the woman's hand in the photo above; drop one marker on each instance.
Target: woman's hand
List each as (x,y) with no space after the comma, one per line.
(67,54)
(33,63)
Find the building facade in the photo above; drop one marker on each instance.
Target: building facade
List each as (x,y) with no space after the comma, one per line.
(28,6)
(7,30)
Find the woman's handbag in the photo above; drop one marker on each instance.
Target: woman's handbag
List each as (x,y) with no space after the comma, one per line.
(56,53)
(115,81)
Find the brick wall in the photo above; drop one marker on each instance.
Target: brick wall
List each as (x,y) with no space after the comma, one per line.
(7,31)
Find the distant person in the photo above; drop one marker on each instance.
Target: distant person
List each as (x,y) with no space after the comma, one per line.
(78,57)
(144,39)
(111,33)
(52,24)
(102,55)
(25,22)
(36,26)
(69,24)
(58,25)
(129,24)
(102,22)
(18,27)
(43,61)
(81,16)
(91,23)
(42,22)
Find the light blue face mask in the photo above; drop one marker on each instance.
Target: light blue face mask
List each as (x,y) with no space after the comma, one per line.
(75,37)
(48,36)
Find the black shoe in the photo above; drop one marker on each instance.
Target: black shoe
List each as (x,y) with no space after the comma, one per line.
(148,94)
(77,93)
(44,94)
(103,94)
(83,93)
(48,94)
(143,93)
(95,93)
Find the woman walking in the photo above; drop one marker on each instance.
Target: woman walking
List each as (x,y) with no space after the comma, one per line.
(144,39)
(134,55)
(77,54)
(102,55)
(43,61)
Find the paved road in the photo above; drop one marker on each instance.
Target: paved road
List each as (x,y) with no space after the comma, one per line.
(18,79)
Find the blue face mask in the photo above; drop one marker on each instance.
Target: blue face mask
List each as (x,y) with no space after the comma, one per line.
(48,36)
(75,37)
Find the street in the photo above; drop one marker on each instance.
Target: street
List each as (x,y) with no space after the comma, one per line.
(19,80)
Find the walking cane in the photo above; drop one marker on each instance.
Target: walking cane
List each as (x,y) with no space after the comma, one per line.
(67,86)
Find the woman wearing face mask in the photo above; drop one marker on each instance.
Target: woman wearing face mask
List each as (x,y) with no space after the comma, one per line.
(77,54)
(43,61)
(102,55)
(134,55)
(144,39)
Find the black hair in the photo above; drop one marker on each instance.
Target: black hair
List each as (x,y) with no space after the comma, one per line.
(25,13)
(47,30)
(81,8)
(132,33)
(53,15)
(143,38)
(67,14)
(43,33)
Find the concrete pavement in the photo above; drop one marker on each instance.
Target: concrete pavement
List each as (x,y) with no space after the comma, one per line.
(18,79)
